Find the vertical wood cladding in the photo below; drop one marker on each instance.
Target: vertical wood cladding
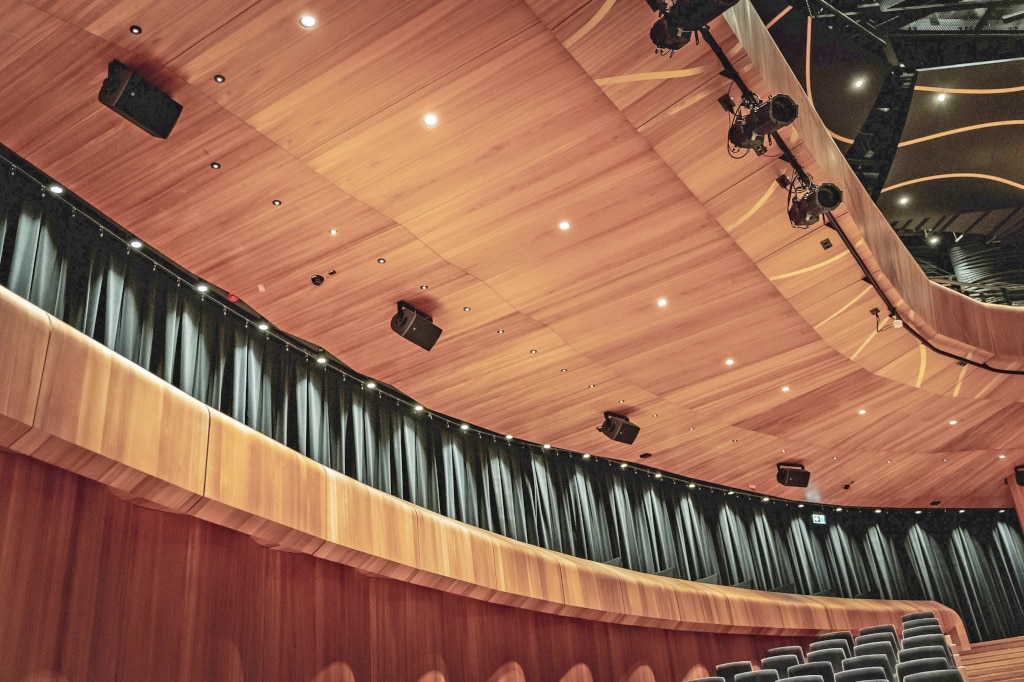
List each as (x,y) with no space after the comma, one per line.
(95,588)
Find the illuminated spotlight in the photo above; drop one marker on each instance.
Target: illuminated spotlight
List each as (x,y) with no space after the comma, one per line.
(691,486)
(430,120)
(805,210)
(202,288)
(859,83)
(674,25)
(417,408)
(623,465)
(586,455)
(321,360)
(56,189)
(307,21)
(904,201)
(508,436)
(464,427)
(941,97)
(764,118)
(934,240)
(263,326)
(371,385)
(135,244)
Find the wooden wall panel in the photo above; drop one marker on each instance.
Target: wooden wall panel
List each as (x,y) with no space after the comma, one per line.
(95,588)
(24,334)
(105,418)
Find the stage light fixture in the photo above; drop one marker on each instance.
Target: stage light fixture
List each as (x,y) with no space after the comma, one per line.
(808,202)
(619,428)
(678,19)
(761,119)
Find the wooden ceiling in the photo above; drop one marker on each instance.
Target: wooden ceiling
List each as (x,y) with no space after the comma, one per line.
(549,110)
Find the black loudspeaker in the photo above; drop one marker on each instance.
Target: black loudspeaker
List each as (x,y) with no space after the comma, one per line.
(415,326)
(139,101)
(793,475)
(619,428)
(1019,473)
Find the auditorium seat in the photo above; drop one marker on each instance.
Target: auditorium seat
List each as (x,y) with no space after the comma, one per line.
(832,644)
(803,678)
(884,648)
(781,650)
(920,665)
(935,676)
(862,675)
(871,661)
(780,664)
(929,640)
(917,616)
(845,635)
(915,653)
(922,630)
(709,679)
(874,629)
(920,622)
(730,670)
(822,669)
(833,657)
(879,637)
(758,676)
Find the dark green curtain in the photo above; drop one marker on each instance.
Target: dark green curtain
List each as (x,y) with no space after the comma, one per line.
(79,272)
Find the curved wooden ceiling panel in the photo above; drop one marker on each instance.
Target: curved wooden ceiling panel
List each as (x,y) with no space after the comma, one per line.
(549,111)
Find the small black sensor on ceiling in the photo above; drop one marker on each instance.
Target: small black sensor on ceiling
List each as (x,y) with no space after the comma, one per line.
(645,455)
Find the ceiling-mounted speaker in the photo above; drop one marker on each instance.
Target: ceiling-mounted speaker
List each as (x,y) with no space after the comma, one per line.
(139,101)
(416,326)
(793,475)
(1019,473)
(619,428)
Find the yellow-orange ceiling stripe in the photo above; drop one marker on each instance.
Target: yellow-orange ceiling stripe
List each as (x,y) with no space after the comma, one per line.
(650,76)
(945,176)
(864,345)
(924,363)
(970,91)
(845,307)
(755,208)
(955,131)
(960,379)
(778,16)
(811,268)
(589,26)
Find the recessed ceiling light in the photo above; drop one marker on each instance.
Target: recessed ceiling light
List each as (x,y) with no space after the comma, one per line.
(888,461)
(586,455)
(371,385)
(214,165)
(322,360)
(508,436)
(946,459)
(621,401)
(56,189)
(730,361)
(662,302)
(466,308)
(785,389)
(202,288)
(464,427)
(692,428)
(307,21)
(332,231)
(941,97)
(735,440)
(904,201)
(276,202)
(834,458)
(263,326)
(1002,456)
(219,78)
(655,414)
(418,408)
(381,261)
(135,244)
(135,29)
(564,225)
(590,386)
(564,370)
(424,287)
(430,120)
(862,411)
(952,422)
(859,83)
(533,351)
